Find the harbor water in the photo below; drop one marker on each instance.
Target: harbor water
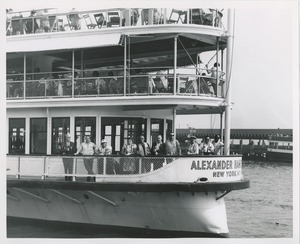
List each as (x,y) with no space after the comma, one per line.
(265,210)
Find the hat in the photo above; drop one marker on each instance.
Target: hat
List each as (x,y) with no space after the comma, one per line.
(103,141)
(193,137)
(172,134)
(68,135)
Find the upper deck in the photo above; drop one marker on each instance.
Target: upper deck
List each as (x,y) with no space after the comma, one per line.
(148,56)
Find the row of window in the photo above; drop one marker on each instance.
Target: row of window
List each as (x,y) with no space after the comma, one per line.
(115,130)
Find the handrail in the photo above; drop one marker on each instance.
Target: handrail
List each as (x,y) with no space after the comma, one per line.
(124,17)
(132,166)
(145,84)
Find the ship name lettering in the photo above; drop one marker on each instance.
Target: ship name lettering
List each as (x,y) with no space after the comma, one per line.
(211,164)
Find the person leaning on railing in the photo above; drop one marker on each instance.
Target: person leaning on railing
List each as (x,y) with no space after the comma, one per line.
(206,147)
(193,148)
(87,148)
(143,149)
(68,148)
(103,150)
(129,164)
(173,146)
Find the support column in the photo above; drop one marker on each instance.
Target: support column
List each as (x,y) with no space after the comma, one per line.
(173,124)
(125,64)
(27,135)
(24,82)
(49,130)
(228,74)
(175,64)
(148,132)
(73,67)
(72,128)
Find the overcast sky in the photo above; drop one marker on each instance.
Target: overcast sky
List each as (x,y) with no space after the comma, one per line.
(263,72)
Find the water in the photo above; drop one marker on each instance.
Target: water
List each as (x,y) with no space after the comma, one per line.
(264,210)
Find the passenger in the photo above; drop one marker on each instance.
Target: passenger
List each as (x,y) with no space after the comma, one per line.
(112,83)
(68,148)
(87,149)
(130,148)
(129,164)
(218,144)
(31,24)
(105,149)
(158,147)
(206,147)
(100,83)
(143,149)
(193,148)
(173,146)
(216,73)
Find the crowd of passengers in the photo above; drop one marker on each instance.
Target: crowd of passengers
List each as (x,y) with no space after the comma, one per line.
(39,21)
(61,84)
(130,165)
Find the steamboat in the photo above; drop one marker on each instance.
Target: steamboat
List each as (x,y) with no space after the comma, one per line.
(115,74)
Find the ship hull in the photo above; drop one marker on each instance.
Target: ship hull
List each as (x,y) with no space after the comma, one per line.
(157,213)
(280,156)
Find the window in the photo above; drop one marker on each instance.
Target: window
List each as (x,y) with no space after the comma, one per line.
(60,127)
(169,127)
(38,136)
(85,127)
(156,129)
(17,136)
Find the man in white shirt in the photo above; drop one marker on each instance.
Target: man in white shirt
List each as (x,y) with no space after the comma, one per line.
(87,148)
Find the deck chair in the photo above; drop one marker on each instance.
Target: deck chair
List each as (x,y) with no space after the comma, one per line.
(73,21)
(56,24)
(113,19)
(88,21)
(197,16)
(177,15)
(100,20)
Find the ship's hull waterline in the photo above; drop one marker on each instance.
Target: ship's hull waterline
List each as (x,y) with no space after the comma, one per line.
(176,213)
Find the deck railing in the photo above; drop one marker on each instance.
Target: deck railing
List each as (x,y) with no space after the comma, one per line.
(136,85)
(78,167)
(49,20)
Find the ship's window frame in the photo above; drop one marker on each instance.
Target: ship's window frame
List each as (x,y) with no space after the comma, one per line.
(17,135)
(80,134)
(38,135)
(58,137)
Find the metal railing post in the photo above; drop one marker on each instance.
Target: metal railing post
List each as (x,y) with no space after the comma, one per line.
(19,167)
(104,165)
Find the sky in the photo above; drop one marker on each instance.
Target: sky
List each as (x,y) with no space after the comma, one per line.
(263,78)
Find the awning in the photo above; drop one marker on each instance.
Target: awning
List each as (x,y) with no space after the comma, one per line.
(44,42)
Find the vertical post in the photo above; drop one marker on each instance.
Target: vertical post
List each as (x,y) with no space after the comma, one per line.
(228,74)
(173,124)
(49,130)
(165,16)
(175,63)
(222,68)
(218,70)
(125,63)
(221,131)
(73,67)
(24,82)
(74,168)
(19,167)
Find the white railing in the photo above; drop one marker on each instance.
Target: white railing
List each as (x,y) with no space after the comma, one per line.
(128,168)
(49,20)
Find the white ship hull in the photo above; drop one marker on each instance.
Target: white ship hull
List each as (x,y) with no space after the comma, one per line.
(197,212)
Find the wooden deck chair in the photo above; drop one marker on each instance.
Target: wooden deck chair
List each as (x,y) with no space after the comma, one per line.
(177,15)
(113,19)
(88,21)
(100,20)
(73,21)
(56,24)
